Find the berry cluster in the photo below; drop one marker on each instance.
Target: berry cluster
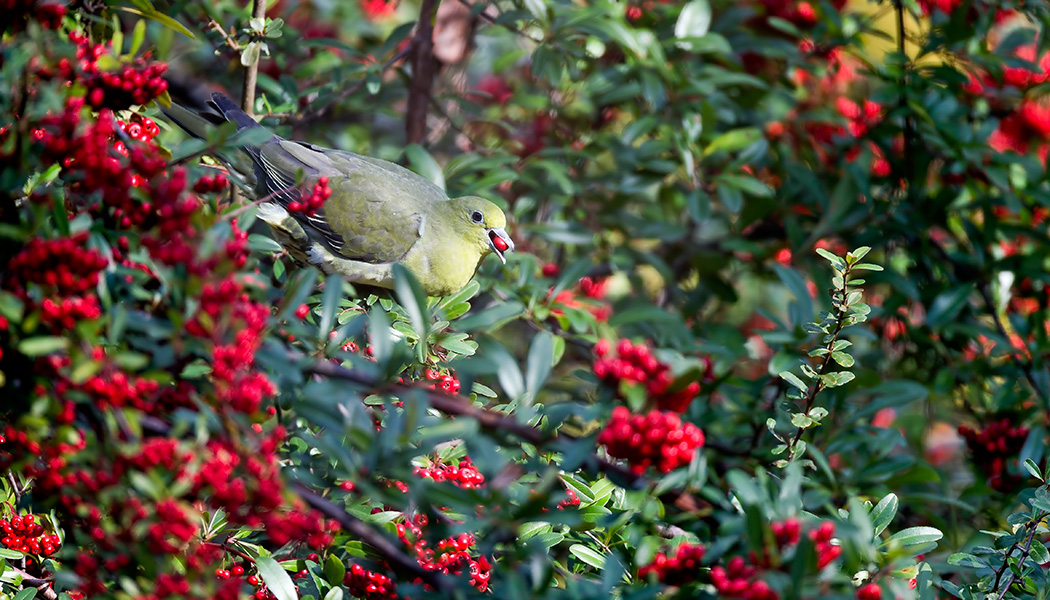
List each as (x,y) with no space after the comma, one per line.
(677,570)
(635,363)
(211,185)
(821,537)
(446,383)
(591,289)
(571,500)
(24,534)
(234,571)
(449,556)
(786,533)
(463,474)
(737,580)
(993,447)
(309,203)
(140,128)
(62,266)
(48,15)
(659,439)
(137,83)
(368,585)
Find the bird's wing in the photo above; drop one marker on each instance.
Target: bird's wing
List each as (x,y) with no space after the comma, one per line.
(377,210)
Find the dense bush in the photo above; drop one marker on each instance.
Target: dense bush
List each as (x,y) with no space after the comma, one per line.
(776,326)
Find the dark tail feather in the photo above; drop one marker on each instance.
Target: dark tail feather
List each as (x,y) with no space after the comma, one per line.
(232,112)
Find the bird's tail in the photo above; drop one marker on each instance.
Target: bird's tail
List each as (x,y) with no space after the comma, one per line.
(202,122)
(199,124)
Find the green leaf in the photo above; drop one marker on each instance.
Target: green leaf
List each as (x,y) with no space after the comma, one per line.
(539,362)
(736,139)
(961,559)
(588,556)
(41,345)
(915,535)
(26,594)
(842,358)
(837,379)
(333,296)
(883,513)
(138,35)
(1039,553)
(1032,468)
(793,379)
(947,306)
(250,54)
(412,298)
(423,162)
(276,578)
(836,262)
(694,21)
(334,570)
(867,267)
(163,19)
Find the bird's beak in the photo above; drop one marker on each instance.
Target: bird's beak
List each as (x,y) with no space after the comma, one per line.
(501,243)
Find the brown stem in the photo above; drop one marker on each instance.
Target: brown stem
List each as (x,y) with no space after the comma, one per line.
(251,74)
(424,66)
(1033,525)
(42,585)
(381,543)
(811,396)
(908,125)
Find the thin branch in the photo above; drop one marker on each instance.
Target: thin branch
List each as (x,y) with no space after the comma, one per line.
(908,125)
(986,297)
(1033,525)
(450,405)
(42,585)
(251,74)
(230,42)
(497,421)
(322,112)
(424,66)
(381,543)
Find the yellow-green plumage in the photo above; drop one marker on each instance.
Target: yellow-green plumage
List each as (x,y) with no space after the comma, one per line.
(378,214)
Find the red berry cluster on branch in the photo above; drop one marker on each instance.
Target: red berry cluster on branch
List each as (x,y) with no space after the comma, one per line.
(993,448)
(49,15)
(635,363)
(25,533)
(786,533)
(449,556)
(211,185)
(368,585)
(64,273)
(821,537)
(138,82)
(309,203)
(737,580)
(446,383)
(592,292)
(571,500)
(680,569)
(62,266)
(463,474)
(658,439)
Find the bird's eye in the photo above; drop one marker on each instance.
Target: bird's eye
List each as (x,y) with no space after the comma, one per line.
(477,217)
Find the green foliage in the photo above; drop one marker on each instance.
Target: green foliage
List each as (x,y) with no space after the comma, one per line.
(685,176)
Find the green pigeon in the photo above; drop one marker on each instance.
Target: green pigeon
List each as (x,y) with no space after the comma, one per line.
(378,214)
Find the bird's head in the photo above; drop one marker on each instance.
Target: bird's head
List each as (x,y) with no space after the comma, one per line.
(484,222)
